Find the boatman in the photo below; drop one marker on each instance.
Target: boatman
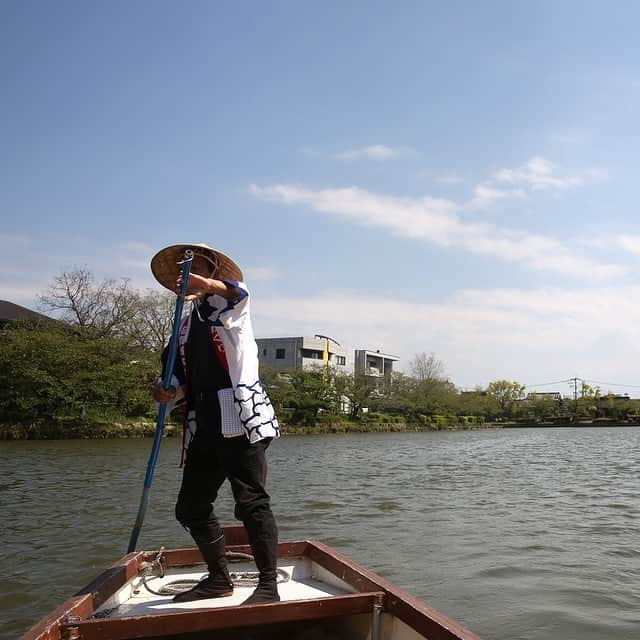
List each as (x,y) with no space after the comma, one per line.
(230,421)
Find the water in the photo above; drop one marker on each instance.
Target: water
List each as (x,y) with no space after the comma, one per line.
(525,534)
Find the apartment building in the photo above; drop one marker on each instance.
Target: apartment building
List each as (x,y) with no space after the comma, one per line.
(303,352)
(376,366)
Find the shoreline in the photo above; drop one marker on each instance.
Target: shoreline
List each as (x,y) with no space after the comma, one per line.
(144,429)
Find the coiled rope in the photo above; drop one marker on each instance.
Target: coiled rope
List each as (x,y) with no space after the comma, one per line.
(155,569)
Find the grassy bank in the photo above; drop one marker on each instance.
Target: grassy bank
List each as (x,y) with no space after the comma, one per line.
(69,431)
(146,429)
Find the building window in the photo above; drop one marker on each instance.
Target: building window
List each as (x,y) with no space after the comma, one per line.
(264,352)
(341,360)
(279,354)
(311,353)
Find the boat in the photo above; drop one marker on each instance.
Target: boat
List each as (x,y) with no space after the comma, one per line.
(324,595)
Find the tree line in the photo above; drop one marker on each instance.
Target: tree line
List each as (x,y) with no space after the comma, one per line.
(96,362)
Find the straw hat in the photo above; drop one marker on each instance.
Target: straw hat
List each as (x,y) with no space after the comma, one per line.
(166,264)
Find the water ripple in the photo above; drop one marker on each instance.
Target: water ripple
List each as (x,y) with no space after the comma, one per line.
(518,534)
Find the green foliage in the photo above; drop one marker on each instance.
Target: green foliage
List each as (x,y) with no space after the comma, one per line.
(310,394)
(56,374)
(506,393)
(356,389)
(301,397)
(97,368)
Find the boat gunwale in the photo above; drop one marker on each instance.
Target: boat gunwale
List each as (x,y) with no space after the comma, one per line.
(73,614)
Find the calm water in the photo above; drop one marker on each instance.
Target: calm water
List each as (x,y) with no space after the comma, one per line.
(517,534)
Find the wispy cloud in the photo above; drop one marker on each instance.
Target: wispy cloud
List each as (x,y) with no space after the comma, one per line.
(481,335)
(373,152)
(376,152)
(484,196)
(436,220)
(538,174)
(630,242)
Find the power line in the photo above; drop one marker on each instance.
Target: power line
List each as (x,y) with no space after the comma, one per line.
(546,384)
(613,384)
(575,379)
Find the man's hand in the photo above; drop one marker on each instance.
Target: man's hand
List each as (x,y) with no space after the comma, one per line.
(162,395)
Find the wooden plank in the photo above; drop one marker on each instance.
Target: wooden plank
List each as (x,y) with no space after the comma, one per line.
(199,620)
(342,567)
(49,627)
(114,578)
(88,599)
(425,620)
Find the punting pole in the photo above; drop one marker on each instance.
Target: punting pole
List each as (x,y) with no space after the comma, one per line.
(162,409)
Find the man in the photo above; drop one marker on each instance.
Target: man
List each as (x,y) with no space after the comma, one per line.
(230,420)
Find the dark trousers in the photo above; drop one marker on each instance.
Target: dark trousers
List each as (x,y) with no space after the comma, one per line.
(212,459)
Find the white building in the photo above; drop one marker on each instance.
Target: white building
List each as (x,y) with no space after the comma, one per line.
(303,352)
(376,366)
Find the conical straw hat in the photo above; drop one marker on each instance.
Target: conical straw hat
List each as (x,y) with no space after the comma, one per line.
(166,265)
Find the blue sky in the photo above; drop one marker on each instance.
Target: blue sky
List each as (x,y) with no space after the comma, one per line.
(448,177)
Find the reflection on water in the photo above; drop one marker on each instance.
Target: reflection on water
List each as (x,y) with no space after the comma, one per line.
(516,534)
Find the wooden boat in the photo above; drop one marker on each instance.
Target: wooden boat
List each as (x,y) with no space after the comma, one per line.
(324,596)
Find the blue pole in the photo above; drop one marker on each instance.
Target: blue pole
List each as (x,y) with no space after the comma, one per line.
(162,409)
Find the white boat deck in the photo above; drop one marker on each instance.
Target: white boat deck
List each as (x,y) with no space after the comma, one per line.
(305,580)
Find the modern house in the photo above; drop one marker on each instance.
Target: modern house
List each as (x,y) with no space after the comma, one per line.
(303,352)
(377,367)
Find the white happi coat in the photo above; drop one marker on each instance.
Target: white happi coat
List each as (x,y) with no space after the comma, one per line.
(246,410)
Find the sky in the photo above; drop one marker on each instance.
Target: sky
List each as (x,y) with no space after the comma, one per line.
(456,178)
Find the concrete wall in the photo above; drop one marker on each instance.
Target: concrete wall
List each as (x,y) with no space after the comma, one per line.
(301,352)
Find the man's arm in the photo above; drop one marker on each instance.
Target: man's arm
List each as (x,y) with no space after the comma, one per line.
(199,285)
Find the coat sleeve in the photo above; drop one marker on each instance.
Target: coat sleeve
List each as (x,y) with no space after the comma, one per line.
(222,312)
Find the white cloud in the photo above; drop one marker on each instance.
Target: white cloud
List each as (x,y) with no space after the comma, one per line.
(377,152)
(630,242)
(484,196)
(532,336)
(538,174)
(372,152)
(435,220)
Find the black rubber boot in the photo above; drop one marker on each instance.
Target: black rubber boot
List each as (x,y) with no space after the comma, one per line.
(218,583)
(266,591)
(263,538)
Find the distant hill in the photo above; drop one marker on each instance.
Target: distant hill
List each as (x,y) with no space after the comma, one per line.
(9,312)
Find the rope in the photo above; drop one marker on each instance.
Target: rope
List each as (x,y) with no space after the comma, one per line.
(155,569)
(239,579)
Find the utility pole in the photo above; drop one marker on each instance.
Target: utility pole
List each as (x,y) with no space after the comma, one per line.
(575,397)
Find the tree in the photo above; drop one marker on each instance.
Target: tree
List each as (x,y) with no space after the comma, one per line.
(310,392)
(278,387)
(477,403)
(106,308)
(426,366)
(506,393)
(51,373)
(111,308)
(150,326)
(356,388)
(587,403)
(542,407)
